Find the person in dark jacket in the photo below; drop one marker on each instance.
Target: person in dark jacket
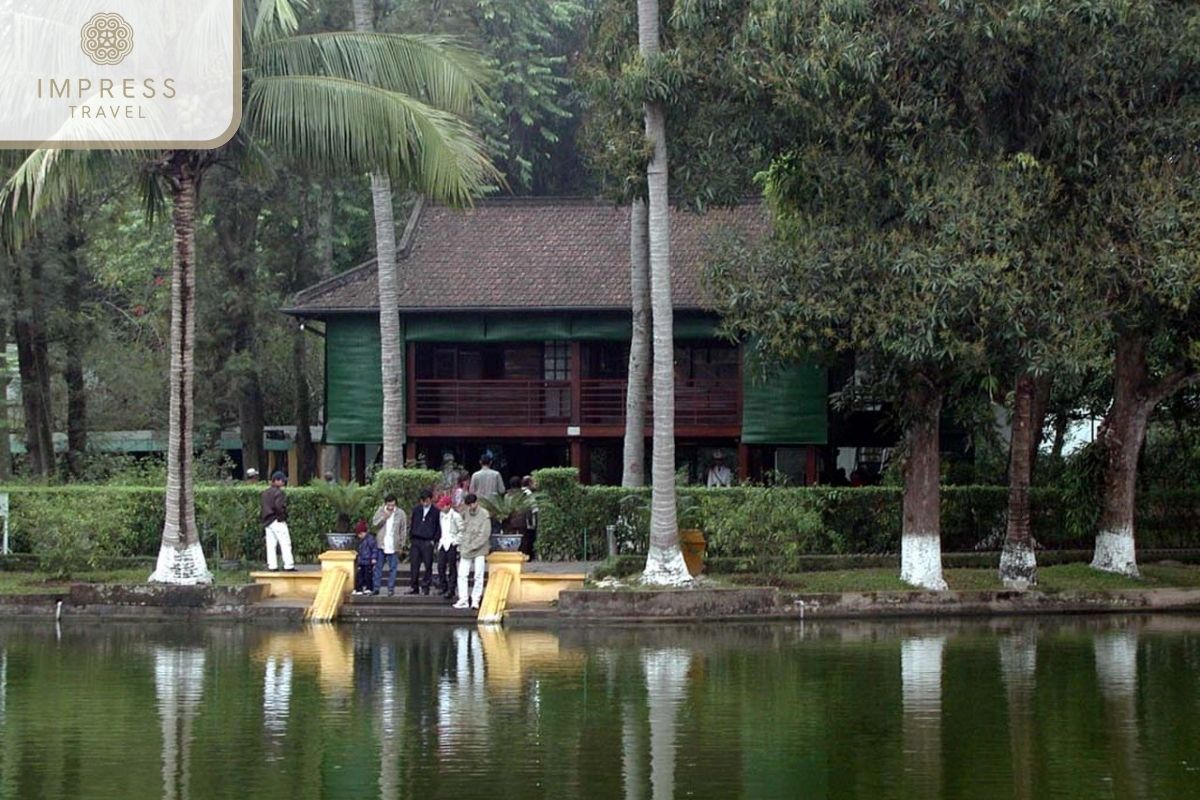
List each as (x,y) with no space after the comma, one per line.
(424,530)
(368,556)
(274,522)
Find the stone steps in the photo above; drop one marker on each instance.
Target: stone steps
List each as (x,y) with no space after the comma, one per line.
(409,608)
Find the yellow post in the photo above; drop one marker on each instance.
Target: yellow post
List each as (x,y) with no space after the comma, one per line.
(504,581)
(337,576)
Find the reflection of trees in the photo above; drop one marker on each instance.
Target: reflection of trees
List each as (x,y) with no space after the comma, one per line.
(1117,673)
(277,694)
(391,714)
(666,682)
(921,660)
(1018,668)
(178,685)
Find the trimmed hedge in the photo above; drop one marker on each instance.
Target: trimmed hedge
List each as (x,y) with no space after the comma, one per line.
(123,521)
(789,523)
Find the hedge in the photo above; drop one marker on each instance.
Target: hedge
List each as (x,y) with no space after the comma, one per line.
(792,522)
(123,521)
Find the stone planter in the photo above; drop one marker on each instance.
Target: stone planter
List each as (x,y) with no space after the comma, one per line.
(340,541)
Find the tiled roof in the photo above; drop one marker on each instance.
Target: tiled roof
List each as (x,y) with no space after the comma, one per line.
(539,253)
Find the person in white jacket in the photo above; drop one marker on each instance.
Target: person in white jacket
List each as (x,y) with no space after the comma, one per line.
(447,546)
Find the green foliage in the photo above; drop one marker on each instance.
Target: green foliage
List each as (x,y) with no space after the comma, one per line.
(66,550)
(406,484)
(349,501)
(769,529)
(507,507)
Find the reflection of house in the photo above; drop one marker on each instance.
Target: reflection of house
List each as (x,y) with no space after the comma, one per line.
(516,324)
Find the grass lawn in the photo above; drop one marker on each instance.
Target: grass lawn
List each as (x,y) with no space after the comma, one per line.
(1064,577)
(41,583)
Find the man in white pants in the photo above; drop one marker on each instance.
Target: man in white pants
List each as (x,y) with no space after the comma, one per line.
(274,520)
(474,541)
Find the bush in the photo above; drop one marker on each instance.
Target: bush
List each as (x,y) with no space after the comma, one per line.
(65,551)
(406,484)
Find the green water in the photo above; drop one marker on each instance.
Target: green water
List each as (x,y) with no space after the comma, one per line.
(1065,708)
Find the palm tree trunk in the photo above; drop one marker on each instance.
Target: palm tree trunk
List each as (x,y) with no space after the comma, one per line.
(6,268)
(1018,565)
(921,536)
(74,340)
(29,329)
(664,561)
(391,347)
(180,557)
(633,471)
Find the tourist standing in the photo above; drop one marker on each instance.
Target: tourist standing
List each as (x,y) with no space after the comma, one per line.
(473,550)
(447,547)
(529,540)
(390,527)
(251,475)
(424,530)
(451,474)
(274,521)
(719,475)
(488,484)
(368,557)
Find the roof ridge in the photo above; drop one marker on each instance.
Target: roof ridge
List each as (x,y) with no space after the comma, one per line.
(333,281)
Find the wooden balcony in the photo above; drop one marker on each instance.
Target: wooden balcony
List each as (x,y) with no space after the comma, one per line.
(547,408)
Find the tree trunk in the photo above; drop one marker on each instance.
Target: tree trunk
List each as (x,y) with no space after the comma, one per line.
(1042,384)
(921,536)
(5,312)
(29,328)
(306,452)
(1121,435)
(633,472)
(180,557)
(251,415)
(75,341)
(1061,422)
(1018,564)
(309,237)
(391,347)
(664,560)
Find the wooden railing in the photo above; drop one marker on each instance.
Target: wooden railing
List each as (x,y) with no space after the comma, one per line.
(491,402)
(698,403)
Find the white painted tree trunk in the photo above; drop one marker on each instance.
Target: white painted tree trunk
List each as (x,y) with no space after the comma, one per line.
(921,535)
(633,471)
(1018,671)
(180,557)
(666,684)
(664,560)
(390,344)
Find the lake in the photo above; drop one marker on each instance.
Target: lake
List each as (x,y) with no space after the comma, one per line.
(1100,707)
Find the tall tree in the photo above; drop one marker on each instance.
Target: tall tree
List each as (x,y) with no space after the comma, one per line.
(664,560)
(75,335)
(390,344)
(334,100)
(33,356)
(6,268)
(633,460)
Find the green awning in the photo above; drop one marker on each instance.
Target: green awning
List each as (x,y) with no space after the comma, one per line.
(787,407)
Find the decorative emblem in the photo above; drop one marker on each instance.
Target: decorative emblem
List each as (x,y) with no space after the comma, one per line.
(106,39)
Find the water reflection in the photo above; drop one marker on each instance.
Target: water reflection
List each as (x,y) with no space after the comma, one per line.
(1116,654)
(1012,709)
(179,687)
(921,659)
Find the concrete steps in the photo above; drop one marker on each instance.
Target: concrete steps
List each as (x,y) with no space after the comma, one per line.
(403,607)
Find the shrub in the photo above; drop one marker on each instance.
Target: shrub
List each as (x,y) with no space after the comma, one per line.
(406,484)
(65,551)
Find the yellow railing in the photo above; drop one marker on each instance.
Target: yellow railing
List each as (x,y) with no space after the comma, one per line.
(330,594)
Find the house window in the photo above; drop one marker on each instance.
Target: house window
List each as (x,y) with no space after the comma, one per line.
(556,363)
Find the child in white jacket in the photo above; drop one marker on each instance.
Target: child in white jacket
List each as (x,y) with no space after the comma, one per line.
(447,546)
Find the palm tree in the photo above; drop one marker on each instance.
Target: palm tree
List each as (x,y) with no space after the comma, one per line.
(664,561)
(634,459)
(336,100)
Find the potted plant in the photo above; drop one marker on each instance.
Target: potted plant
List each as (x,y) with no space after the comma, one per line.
(350,502)
(511,510)
(691,538)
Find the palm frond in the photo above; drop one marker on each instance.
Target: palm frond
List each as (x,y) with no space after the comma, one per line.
(435,69)
(264,19)
(341,123)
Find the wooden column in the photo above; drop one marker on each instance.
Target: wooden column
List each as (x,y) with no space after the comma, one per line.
(576,372)
(810,470)
(344,463)
(360,463)
(580,460)
(743,463)
(410,451)
(410,391)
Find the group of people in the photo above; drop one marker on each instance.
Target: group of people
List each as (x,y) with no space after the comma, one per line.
(451,530)
(459,539)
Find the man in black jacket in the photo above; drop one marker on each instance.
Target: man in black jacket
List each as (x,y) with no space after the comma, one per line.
(423,531)
(274,522)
